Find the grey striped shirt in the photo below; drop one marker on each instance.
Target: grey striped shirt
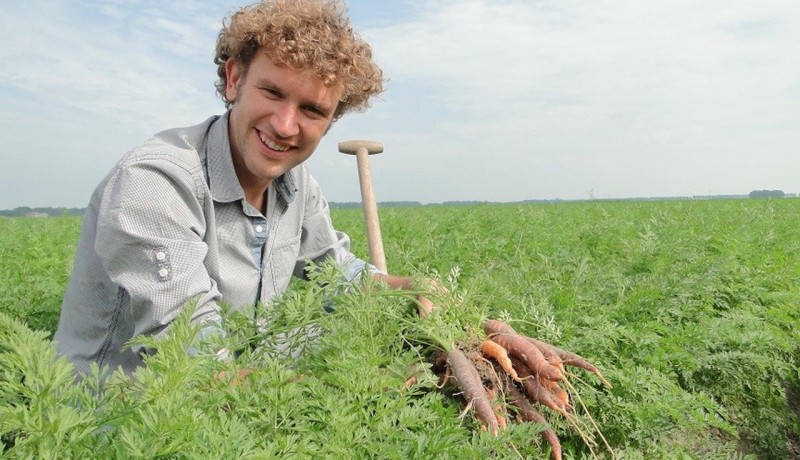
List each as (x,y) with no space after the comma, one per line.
(170,224)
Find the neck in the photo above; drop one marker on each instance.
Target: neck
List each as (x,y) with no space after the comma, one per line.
(255,188)
(255,191)
(257,200)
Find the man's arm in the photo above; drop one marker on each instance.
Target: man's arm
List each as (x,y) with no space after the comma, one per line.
(322,241)
(150,242)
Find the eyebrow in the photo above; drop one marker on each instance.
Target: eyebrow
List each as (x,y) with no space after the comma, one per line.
(322,108)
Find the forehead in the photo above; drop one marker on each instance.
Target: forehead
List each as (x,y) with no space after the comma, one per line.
(263,69)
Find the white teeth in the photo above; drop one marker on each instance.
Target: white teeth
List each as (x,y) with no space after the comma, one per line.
(272,145)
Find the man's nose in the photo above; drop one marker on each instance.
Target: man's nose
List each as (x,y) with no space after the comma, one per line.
(284,121)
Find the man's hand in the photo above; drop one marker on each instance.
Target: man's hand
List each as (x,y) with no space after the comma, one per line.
(239,379)
(425,305)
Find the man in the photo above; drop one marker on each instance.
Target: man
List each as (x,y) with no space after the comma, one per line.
(225,211)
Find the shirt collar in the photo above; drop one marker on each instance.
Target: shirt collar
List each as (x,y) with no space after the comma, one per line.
(222,179)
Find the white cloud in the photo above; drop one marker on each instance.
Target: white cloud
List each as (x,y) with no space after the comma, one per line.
(613,92)
(93,79)
(112,61)
(495,100)
(486,53)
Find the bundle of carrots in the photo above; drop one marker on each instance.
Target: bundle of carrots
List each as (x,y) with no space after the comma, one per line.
(523,371)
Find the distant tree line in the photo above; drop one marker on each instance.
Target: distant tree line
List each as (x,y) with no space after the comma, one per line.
(767,194)
(383,204)
(24,211)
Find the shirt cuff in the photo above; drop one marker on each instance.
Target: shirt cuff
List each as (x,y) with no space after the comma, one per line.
(352,273)
(204,340)
(357,267)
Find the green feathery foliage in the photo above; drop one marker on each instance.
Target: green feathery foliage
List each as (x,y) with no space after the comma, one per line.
(689,308)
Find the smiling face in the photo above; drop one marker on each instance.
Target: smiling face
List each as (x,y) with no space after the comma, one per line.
(277,119)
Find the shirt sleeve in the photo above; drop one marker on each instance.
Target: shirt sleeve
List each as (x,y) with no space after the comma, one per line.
(320,240)
(150,241)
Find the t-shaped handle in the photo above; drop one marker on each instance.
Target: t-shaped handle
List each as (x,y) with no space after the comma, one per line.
(352,147)
(362,149)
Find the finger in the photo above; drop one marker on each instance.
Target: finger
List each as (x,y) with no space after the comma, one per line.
(424,306)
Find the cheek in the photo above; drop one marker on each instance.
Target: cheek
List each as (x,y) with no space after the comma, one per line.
(317,130)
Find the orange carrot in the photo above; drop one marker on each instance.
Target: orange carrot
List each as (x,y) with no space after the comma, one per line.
(552,354)
(501,421)
(549,353)
(528,414)
(554,361)
(494,326)
(540,394)
(570,359)
(557,391)
(494,350)
(497,407)
(470,383)
(518,346)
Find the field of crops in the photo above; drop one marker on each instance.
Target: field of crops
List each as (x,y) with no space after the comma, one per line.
(689,308)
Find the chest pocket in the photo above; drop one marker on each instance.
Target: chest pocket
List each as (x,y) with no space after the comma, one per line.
(282,262)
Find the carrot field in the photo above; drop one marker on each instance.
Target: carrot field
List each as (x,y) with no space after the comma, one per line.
(690,309)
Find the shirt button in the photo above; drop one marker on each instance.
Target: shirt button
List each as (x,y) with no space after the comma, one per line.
(259,229)
(160,255)
(163,273)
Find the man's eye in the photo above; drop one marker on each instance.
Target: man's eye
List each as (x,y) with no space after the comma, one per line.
(271,92)
(315,111)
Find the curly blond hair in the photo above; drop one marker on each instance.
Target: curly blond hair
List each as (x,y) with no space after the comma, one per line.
(308,36)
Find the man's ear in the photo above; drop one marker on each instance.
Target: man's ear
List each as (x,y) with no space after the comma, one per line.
(232,76)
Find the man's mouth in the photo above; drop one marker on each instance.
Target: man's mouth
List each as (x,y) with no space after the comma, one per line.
(271,144)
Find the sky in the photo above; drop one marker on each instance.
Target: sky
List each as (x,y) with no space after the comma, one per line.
(488,100)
